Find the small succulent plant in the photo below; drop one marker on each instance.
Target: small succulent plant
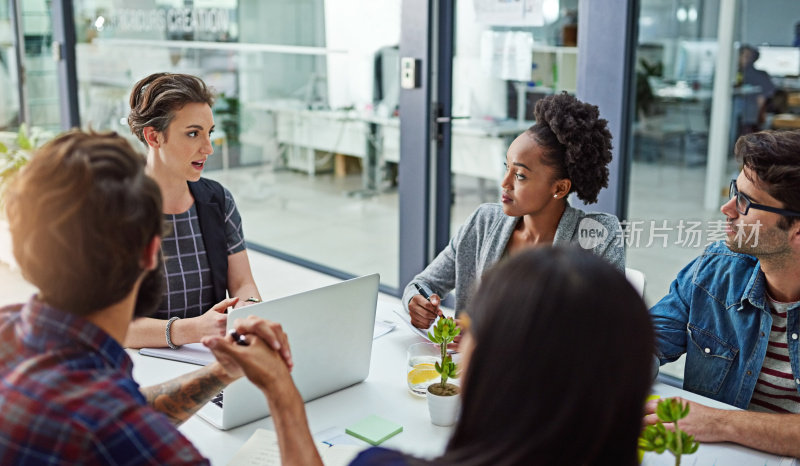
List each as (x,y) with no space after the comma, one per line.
(443,333)
(658,438)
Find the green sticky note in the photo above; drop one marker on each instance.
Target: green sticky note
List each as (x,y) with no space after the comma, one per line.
(374,429)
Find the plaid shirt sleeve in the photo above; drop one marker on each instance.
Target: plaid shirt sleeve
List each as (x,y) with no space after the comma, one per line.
(144,436)
(137,436)
(109,424)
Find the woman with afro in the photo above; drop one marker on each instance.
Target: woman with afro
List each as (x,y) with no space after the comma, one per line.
(566,151)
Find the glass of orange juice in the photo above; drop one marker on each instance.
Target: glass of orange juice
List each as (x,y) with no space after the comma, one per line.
(420,371)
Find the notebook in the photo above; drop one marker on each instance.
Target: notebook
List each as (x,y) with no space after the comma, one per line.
(262,449)
(330,331)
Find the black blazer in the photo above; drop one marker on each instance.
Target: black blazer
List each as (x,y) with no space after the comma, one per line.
(209,200)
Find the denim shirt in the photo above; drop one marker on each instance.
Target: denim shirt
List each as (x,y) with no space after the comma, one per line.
(717,313)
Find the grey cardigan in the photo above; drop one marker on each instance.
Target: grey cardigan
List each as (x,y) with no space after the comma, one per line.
(482,239)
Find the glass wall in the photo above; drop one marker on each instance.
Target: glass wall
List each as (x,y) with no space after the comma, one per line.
(40,107)
(668,220)
(9,99)
(504,55)
(306,118)
(41,79)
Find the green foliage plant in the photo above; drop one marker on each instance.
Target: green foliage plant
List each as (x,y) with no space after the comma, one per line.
(227,109)
(658,438)
(14,156)
(644,93)
(443,333)
(12,159)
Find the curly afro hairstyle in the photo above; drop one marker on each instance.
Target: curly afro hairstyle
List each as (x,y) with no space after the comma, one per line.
(576,142)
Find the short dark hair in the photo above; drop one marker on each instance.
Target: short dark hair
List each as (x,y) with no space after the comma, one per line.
(774,158)
(80,214)
(576,140)
(155,99)
(548,325)
(754,53)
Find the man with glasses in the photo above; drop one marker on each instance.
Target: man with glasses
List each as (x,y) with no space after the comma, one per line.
(735,310)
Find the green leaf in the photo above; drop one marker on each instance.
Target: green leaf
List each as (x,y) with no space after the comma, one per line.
(652,441)
(3,148)
(692,448)
(689,445)
(671,410)
(22,138)
(662,411)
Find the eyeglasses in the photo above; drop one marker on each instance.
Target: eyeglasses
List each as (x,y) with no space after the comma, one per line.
(744,204)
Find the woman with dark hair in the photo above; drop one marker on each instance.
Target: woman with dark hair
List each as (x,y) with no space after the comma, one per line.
(566,151)
(204,249)
(556,367)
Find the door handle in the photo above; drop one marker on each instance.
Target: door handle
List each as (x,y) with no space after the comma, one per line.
(449,119)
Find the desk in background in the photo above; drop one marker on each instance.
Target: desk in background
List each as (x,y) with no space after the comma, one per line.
(786,121)
(683,112)
(385,393)
(478,147)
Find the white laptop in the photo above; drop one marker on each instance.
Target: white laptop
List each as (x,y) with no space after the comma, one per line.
(330,333)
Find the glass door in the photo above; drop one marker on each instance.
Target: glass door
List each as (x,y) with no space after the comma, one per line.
(506,58)
(40,103)
(9,80)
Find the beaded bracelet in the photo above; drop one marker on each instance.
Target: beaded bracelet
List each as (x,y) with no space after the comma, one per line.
(169,333)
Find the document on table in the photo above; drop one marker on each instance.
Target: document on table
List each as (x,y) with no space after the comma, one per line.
(194,353)
(262,450)
(715,454)
(382,328)
(407,319)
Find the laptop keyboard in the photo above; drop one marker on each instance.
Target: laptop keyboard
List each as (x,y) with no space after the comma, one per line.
(217,400)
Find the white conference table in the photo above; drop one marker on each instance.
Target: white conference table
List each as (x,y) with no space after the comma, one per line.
(385,393)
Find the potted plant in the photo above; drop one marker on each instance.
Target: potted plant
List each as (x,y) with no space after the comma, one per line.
(443,399)
(14,155)
(227,108)
(658,438)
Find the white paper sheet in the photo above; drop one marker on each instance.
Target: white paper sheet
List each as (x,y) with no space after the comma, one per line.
(194,353)
(261,449)
(407,319)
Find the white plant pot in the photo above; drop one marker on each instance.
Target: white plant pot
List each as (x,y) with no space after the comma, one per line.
(444,410)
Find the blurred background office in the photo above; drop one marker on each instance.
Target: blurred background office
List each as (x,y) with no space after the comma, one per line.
(310,122)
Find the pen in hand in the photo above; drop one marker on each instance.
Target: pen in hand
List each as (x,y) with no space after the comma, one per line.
(422,292)
(425,295)
(239,339)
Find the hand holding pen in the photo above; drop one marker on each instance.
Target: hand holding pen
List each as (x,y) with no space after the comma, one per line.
(423,308)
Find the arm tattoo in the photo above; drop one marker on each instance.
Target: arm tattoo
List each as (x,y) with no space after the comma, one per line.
(181,397)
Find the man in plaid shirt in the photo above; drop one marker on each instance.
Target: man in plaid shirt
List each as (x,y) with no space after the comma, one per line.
(85,223)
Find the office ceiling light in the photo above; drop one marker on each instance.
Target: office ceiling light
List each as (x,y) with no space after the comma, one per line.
(681,14)
(550,11)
